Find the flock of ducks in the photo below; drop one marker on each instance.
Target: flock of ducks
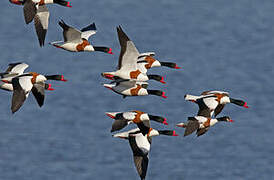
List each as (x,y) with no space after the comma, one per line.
(130,79)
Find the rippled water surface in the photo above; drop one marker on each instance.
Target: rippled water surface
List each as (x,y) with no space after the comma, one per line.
(224,45)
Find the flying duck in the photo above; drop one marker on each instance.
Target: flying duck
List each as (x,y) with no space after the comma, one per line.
(32,81)
(77,41)
(210,102)
(146,61)
(201,124)
(22,85)
(140,146)
(16,69)
(133,88)
(37,10)
(127,66)
(122,119)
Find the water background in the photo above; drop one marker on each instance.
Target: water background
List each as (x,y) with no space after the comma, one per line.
(220,44)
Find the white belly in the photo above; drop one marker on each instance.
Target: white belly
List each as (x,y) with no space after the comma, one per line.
(69,46)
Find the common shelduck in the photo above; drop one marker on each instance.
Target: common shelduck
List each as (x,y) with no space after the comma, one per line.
(133,88)
(32,81)
(37,10)
(127,66)
(210,102)
(22,85)
(201,124)
(122,119)
(140,146)
(77,41)
(146,61)
(16,69)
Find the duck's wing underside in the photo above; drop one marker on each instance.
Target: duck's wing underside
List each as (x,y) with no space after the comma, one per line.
(192,125)
(70,34)
(140,158)
(21,88)
(17,68)
(128,54)
(41,20)
(38,91)
(88,31)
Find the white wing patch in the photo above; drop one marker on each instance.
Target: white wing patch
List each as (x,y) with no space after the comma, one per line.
(211,103)
(86,34)
(20,68)
(129,115)
(142,142)
(26,84)
(130,57)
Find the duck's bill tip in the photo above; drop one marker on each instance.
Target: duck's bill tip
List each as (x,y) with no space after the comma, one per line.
(164,95)
(162,80)
(110,51)
(231,120)
(165,122)
(63,79)
(68,4)
(245,105)
(50,88)
(174,133)
(177,67)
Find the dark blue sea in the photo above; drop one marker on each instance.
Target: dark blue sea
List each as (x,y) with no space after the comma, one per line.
(220,45)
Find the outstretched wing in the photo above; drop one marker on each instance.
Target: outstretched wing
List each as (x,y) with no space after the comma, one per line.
(29,11)
(219,109)
(70,34)
(38,90)
(41,21)
(118,125)
(140,157)
(192,125)
(17,68)
(88,31)
(21,88)
(202,131)
(128,54)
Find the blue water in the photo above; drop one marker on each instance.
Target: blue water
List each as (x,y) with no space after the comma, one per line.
(220,44)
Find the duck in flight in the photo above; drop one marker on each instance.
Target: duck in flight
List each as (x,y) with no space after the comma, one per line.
(140,145)
(14,79)
(146,61)
(213,102)
(127,66)
(37,10)
(201,124)
(133,88)
(77,41)
(122,119)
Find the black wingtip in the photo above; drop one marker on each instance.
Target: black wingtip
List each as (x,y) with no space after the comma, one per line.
(63,24)
(91,27)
